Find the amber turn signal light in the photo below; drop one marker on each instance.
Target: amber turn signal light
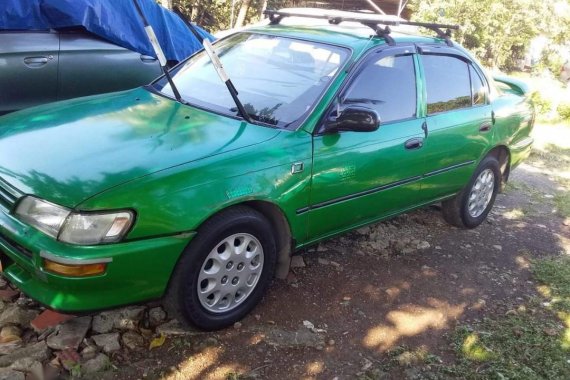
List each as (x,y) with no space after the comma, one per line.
(81,270)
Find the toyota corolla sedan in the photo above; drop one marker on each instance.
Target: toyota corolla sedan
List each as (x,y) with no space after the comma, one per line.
(200,199)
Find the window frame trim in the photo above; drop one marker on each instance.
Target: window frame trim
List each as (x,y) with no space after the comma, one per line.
(355,70)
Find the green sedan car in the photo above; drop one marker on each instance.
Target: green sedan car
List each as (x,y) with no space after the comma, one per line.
(131,196)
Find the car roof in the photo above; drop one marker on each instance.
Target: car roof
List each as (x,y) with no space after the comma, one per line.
(349,34)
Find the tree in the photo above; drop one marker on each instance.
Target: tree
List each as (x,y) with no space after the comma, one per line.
(244,7)
(166,4)
(497,31)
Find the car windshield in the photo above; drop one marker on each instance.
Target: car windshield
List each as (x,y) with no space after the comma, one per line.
(278,79)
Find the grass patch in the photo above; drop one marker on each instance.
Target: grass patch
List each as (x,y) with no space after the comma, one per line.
(562,201)
(518,346)
(531,342)
(554,275)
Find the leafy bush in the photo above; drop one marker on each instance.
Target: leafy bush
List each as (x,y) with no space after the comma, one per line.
(541,104)
(564,111)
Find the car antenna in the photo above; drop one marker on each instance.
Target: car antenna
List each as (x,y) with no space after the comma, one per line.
(158,51)
(217,65)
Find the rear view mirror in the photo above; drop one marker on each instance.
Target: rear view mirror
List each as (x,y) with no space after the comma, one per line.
(355,119)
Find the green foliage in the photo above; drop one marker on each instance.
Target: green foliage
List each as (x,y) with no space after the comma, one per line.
(550,60)
(541,104)
(497,31)
(215,15)
(564,111)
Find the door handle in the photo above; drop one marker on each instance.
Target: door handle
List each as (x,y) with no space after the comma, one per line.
(415,143)
(486,126)
(36,61)
(147,58)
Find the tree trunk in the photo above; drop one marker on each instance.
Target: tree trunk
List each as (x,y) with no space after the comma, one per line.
(166,4)
(262,8)
(242,13)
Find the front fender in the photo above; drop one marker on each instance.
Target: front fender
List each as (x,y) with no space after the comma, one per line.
(180,199)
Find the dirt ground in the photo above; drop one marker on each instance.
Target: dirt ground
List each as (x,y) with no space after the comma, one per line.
(391,290)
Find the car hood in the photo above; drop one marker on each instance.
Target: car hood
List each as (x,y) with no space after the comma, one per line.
(68,151)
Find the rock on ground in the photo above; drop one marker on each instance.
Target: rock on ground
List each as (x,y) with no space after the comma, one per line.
(38,351)
(16,315)
(108,342)
(70,334)
(8,374)
(97,364)
(123,319)
(174,327)
(132,340)
(28,365)
(156,316)
(297,262)
(10,339)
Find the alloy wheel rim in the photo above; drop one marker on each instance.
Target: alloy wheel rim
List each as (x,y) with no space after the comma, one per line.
(481,193)
(230,273)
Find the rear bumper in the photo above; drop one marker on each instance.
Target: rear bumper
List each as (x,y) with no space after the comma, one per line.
(136,271)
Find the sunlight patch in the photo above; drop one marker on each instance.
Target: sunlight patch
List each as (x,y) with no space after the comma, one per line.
(474,350)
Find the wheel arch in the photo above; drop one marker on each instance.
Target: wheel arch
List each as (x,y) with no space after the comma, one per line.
(503,156)
(280,226)
(282,229)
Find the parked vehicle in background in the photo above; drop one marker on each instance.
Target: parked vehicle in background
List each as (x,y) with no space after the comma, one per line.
(53,50)
(45,66)
(198,195)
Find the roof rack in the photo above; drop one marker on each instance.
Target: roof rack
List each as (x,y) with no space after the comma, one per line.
(276,16)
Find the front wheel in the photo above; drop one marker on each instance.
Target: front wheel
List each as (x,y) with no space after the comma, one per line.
(470,207)
(225,270)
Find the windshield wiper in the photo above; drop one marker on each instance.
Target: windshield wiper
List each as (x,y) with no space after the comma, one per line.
(158,51)
(211,52)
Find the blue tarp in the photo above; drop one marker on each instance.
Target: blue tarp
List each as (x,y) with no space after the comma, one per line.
(114,20)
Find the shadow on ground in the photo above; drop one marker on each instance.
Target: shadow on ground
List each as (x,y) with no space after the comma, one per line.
(393,290)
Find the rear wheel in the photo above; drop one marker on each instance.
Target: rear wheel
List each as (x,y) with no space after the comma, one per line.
(470,207)
(225,270)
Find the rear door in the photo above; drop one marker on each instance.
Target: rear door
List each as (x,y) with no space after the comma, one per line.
(28,68)
(459,120)
(90,65)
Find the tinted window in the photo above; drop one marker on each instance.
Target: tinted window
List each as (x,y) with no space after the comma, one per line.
(387,86)
(447,82)
(477,87)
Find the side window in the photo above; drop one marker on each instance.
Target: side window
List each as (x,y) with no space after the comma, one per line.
(388,86)
(478,89)
(447,83)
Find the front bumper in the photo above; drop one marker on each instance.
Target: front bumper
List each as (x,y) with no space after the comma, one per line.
(136,271)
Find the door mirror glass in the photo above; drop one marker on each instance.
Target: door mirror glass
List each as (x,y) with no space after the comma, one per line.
(355,119)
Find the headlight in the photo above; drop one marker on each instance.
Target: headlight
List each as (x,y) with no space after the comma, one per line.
(87,229)
(43,215)
(71,227)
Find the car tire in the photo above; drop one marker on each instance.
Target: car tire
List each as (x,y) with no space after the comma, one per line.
(225,270)
(470,207)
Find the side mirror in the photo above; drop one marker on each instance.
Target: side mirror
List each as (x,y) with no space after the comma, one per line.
(355,119)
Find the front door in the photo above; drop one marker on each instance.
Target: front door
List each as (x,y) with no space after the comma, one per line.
(359,177)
